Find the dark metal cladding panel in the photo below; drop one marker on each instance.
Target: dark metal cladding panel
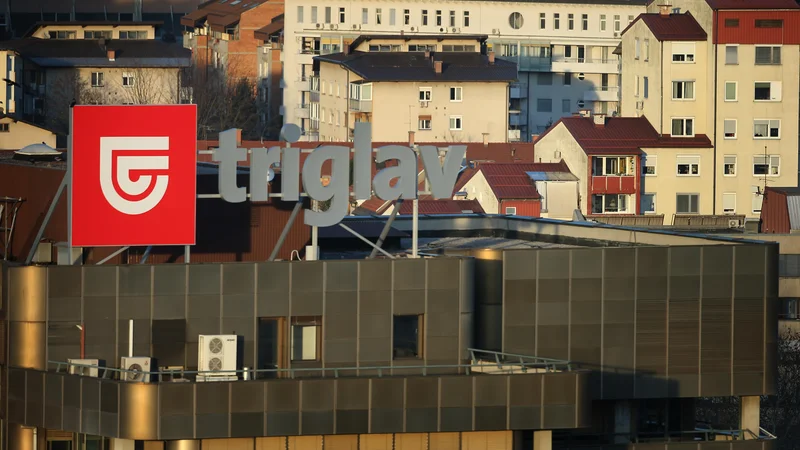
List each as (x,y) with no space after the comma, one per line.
(684,321)
(619,318)
(770,320)
(716,320)
(90,405)
(652,281)
(34,398)
(176,410)
(53,401)
(749,303)
(109,409)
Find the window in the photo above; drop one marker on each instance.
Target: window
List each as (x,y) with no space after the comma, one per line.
(556,20)
(327,14)
(511,210)
(567,78)
(648,203)
(766,129)
(97,79)
(342,16)
(729,203)
(438,18)
(602,22)
(757,199)
(769,23)
(128,79)
(455,123)
(364,16)
(729,126)
(515,20)
(458,48)
(687,203)
(636,87)
(683,126)
(466,19)
(688,165)
(424,17)
(98,35)
(407,337)
(769,91)
(729,165)
(452,18)
(616,23)
(683,90)
(544,78)
(544,105)
(392,14)
(542,21)
(425,94)
(299,14)
(133,34)
(611,165)
(306,338)
(313,14)
(378,18)
(424,122)
(683,52)
(637,48)
(630,19)
(646,87)
(406,17)
(584,22)
(422,47)
(766,165)
(609,203)
(731,91)
(566,106)
(570,21)
(62,34)
(4,128)
(768,55)
(647,49)
(568,51)
(455,93)
(731,23)
(731,54)
(649,164)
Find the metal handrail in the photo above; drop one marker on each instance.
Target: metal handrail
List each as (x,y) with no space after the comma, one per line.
(699,434)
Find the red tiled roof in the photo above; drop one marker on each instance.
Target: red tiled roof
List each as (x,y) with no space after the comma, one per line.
(753,4)
(510,180)
(623,135)
(442,206)
(674,27)
(219,14)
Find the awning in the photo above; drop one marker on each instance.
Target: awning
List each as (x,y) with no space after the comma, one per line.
(220,23)
(191,19)
(424,117)
(266,32)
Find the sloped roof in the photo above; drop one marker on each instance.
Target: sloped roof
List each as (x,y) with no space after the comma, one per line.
(416,37)
(753,4)
(93,53)
(673,27)
(88,23)
(276,26)
(623,135)
(442,206)
(219,13)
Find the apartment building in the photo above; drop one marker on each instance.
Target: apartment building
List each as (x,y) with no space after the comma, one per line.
(440,96)
(564,51)
(728,69)
(93,30)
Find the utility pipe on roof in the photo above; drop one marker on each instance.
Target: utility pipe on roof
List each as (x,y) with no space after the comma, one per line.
(386,228)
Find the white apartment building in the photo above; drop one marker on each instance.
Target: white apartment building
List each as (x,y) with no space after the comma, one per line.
(564,51)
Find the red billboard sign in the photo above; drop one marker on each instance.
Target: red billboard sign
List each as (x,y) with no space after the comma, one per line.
(133,175)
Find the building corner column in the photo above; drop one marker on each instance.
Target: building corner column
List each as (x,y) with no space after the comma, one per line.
(750,416)
(543,440)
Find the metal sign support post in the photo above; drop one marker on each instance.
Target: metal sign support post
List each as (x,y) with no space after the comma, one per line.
(68,181)
(415,230)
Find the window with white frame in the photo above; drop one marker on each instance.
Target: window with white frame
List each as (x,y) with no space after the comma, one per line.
(612,165)
(729,203)
(637,49)
(646,87)
(392,16)
(97,79)
(602,22)
(439,18)
(757,200)
(766,129)
(570,21)
(556,21)
(584,22)
(648,203)
(456,123)
(609,203)
(683,126)
(406,17)
(456,93)
(342,16)
(511,210)
(767,91)
(616,23)
(378,16)
(683,52)
(636,87)
(768,55)
(729,128)
(328,14)
(425,94)
(128,79)
(466,19)
(731,54)
(766,165)
(424,122)
(649,165)
(299,14)
(683,90)
(306,338)
(687,203)
(452,18)
(646,50)
(731,91)
(542,21)
(688,165)
(313,14)
(729,166)
(364,16)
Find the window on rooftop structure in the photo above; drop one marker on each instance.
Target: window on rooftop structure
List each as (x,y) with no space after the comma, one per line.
(306,338)
(407,336)
(731,23)
(769,23)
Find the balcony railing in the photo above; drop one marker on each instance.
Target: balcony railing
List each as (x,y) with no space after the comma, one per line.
(518,90)
(304,84)
(303,111)
(361,105)
(602,94)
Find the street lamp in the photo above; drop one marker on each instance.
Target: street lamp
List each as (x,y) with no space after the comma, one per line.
(83,340)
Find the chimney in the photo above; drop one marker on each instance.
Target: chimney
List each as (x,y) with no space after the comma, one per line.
(585,113)
(411,138)
(112,54)
(437,67)
(238,136)
(534,137)
(491,58)
(485,139)
(513,151)
(599,120)
(346,49)
(427,54)
(664,9)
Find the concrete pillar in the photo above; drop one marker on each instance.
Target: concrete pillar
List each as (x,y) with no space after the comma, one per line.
(20,438)
(750,415)
(123,444)
(183,444)
(543,440)
(623,421)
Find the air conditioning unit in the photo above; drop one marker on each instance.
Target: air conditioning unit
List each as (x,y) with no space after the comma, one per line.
(319,25)
(423,103)
(733,223)
(495,30)
(413,29)
(77,367)
(640,104)
(557,154)
(333,26)
(616,34)
(137,368)
(356,26)
(455,30)
(218,356)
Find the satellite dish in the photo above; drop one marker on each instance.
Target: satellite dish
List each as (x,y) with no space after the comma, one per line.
(270,175)
(291,133)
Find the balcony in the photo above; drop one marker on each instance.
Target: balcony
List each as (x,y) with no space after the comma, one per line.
(304,84)
(302,112)
(313,126)
(517,118)
(602,94)
(623,184)
(518,90)
(532,63)
(361,105)
(514,135)
(588,65)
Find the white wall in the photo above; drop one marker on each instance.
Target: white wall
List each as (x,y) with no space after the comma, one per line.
(559,197)
(477,188)
(559,144)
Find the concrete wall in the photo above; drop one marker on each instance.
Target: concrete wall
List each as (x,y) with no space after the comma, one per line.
(44,32)
(477,188)
(334,92)
(666,183)
(559,144)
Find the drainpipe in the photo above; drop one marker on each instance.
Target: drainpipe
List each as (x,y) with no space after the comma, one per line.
(661,77)
(714,115)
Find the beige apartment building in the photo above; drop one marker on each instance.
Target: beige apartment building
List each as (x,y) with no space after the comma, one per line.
(734,78)
(443,96)
(94,30)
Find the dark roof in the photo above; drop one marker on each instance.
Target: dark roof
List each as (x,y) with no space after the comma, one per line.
(790,191)
(264,33)
(412,66)
(417,37)
(88,23)
(442,206)
(219,13)
(753,4)
(623,135)
(92,53)
(511,180)
(673,27)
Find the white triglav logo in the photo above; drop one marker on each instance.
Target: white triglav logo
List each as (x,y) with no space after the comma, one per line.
(117,173)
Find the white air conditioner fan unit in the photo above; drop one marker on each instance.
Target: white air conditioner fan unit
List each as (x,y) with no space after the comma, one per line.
(79,367)
(218,355)
(137,368)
